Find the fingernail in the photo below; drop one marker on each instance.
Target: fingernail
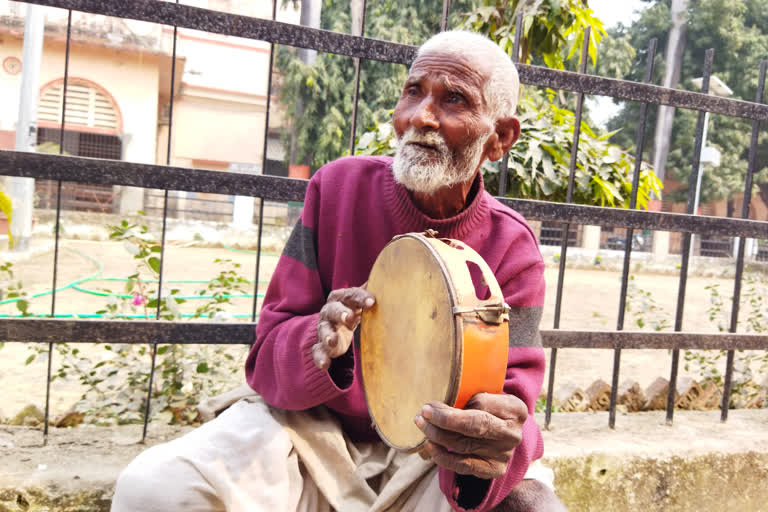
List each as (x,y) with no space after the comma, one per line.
(369,302)
(344,317)
(419,421)
(426,411)
(328,339)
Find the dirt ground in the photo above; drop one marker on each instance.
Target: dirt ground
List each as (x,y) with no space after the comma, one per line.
(590,301)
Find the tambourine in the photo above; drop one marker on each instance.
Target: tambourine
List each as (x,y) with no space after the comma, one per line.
(439,331)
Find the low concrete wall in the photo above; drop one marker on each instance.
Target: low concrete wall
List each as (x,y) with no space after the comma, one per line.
(698,464)
(670,484)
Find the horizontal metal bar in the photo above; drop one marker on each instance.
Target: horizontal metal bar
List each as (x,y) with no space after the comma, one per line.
(217,22)
(122,331)
(28,330)
(116,172)
(635,91)
(653,340)
(637,219)
(186,16)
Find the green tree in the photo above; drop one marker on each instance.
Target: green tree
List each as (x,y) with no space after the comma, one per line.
(738,30)
(553,30)
(325,89)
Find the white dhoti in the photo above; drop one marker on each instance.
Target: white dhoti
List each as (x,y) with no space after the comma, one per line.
(253,458)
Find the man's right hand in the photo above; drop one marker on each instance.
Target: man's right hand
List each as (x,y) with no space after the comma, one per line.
(338,319)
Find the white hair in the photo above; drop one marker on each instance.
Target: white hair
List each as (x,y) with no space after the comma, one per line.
(501,90)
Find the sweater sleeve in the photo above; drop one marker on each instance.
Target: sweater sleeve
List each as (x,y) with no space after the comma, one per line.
(524,292)
(280,366)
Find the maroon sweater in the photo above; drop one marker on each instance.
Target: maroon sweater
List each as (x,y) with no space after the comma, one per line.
(353,208)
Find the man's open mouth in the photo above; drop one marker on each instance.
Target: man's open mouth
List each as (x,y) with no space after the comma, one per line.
(423,146)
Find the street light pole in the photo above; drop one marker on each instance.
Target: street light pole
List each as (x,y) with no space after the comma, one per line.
(697,198)
(716,88)
(22,190)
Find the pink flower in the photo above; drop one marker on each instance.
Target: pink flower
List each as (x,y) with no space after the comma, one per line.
(138,300)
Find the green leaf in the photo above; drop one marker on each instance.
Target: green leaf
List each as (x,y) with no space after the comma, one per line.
(549,170)
(202,367)
(30,359)
(156,248)
(154,264)
(22,305)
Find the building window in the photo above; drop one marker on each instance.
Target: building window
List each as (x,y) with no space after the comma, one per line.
(88,106)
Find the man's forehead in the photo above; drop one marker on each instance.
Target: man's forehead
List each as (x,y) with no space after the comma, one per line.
(453,68)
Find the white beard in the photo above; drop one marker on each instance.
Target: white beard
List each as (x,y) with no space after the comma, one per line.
(426,171)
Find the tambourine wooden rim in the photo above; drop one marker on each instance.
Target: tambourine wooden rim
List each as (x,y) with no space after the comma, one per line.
(457,310)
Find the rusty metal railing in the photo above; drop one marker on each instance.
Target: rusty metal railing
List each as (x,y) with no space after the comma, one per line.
(165,177)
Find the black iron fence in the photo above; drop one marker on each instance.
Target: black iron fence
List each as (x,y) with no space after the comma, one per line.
(269,188)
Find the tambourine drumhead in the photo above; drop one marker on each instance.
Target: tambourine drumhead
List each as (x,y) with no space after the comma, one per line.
(409,343)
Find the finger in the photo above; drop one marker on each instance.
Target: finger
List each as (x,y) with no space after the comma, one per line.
(465,464)
(338,314)
(472,423)
(457,443)
(320,357)
(504,406)
(353,298)
(326,334)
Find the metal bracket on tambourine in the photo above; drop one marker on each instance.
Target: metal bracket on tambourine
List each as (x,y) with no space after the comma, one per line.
(490,314)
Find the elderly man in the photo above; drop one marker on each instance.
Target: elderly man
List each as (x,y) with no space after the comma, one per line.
(301,438)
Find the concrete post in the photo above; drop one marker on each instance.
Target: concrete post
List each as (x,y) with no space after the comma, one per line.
(242,209)
(591,238)
(660,245)
(132,198)
(22,190)
(750,248)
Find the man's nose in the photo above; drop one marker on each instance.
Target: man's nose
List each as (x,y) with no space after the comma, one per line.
(424,116)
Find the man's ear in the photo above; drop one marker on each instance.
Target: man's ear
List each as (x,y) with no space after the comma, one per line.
(507,132)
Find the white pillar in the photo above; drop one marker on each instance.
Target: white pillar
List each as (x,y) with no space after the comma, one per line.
(591,238)
(750,248)
(242,212)
(660,245)
(242,209)
(132,198)
(22,190)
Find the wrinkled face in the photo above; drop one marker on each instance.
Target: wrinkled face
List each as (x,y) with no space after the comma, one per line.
(442,123)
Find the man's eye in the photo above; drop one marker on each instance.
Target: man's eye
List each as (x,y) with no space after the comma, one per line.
(412,91)
(455,98)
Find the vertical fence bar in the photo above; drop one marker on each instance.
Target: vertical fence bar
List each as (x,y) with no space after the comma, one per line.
(153,348)
(751,171)
(444,21)
(356,95)
(264,164)
(56,228)
(504,167)
(708,57)
(628,243)
(567,227)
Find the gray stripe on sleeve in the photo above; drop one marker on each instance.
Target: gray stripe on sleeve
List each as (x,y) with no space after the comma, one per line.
(524,326)
(301,246)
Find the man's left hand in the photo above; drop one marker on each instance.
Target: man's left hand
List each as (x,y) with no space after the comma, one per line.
(478,440)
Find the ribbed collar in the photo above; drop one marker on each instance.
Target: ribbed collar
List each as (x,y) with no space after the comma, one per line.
(411,218)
